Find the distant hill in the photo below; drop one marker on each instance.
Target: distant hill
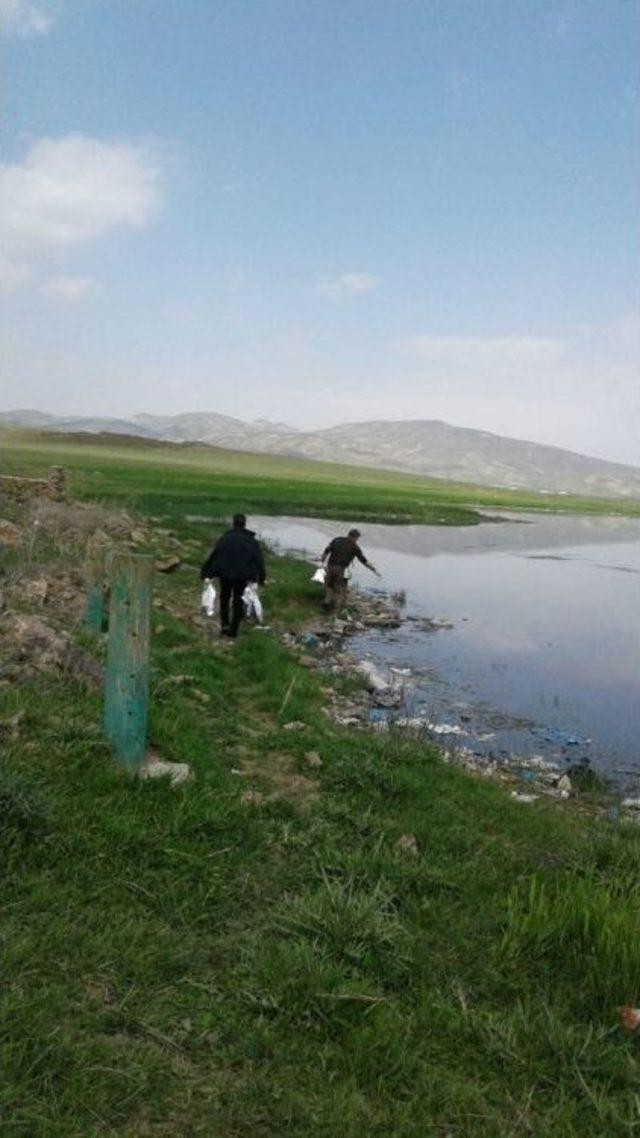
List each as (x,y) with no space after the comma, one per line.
(422,446)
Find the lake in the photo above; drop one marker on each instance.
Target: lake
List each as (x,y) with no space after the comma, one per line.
(544,653)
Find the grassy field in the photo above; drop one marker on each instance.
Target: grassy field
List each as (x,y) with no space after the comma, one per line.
(174,479)
(257,953)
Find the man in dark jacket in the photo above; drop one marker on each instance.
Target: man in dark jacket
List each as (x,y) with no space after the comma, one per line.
(236,559)
(341,552)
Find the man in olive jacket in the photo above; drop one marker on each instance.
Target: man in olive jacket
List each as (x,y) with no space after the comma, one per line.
(341,552)
(236,559)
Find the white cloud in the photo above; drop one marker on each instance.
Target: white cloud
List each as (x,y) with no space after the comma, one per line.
(69,191)
(346,284)
(479,353)
(23,18)
(67,290)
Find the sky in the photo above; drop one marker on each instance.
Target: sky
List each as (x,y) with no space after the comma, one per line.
(319,211)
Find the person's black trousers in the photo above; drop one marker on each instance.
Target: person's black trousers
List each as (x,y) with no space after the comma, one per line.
(231,590)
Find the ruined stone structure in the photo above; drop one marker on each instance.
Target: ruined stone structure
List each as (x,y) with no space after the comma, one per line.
(53,487)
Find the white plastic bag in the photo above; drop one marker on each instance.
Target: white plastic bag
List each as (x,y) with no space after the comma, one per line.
(208,598)
(320,575)
(252,603)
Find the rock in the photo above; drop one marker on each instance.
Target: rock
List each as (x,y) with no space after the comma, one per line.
(294,725)
(201,695)
(564,784)
(37,647)
(407,844)
(252,798)
(631,803)
(168,565)
(629,1017)
(9,533)
(154,767)
(138,537)
(35,591)
(307,662)
(11,726)
(517,797)
(313,759)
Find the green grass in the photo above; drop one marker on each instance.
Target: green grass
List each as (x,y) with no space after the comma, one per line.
(185,963)
(177,479)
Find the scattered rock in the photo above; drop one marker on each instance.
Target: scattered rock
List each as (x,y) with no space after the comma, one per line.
(201,695)
(36,647)
(10,534)
(313,759)
(155,767)
(307,661)
(11,726)
(407,844)
(35,591)
(629,1017)
(168,565)
(252,798)
(564,784)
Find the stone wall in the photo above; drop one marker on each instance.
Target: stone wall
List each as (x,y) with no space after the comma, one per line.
(53,487)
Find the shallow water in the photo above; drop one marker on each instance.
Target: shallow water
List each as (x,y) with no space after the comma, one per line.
(545,644)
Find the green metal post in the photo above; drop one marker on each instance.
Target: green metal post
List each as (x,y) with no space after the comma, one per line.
(127,673)
(95,571)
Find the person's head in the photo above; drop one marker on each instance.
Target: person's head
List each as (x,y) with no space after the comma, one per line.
(239,521)
(354,534)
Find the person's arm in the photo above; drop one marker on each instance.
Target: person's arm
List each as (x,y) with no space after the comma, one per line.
(326,552)
(361,557)
(207,571)
(262,569)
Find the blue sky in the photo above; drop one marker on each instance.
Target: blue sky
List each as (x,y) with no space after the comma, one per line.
(326,210)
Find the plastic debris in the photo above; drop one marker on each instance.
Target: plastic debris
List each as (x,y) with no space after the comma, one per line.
(252,603)
(208,598)
(375,680)
(309,639)
(319,575)
(631,803)
(446,729)
(377,715)
(294,725)
(517,797)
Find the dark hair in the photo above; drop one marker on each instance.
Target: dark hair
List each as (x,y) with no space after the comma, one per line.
(239,521)
(354,533)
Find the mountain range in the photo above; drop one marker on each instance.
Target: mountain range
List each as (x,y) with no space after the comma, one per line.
(423,446)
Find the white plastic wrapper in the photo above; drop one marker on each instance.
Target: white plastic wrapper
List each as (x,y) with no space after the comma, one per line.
(208,599)
(252,603)
(319,575)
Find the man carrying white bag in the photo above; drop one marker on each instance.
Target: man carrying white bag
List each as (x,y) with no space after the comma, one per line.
(238,563)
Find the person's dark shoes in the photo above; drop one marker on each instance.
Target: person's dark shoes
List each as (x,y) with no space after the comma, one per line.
(225,630)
